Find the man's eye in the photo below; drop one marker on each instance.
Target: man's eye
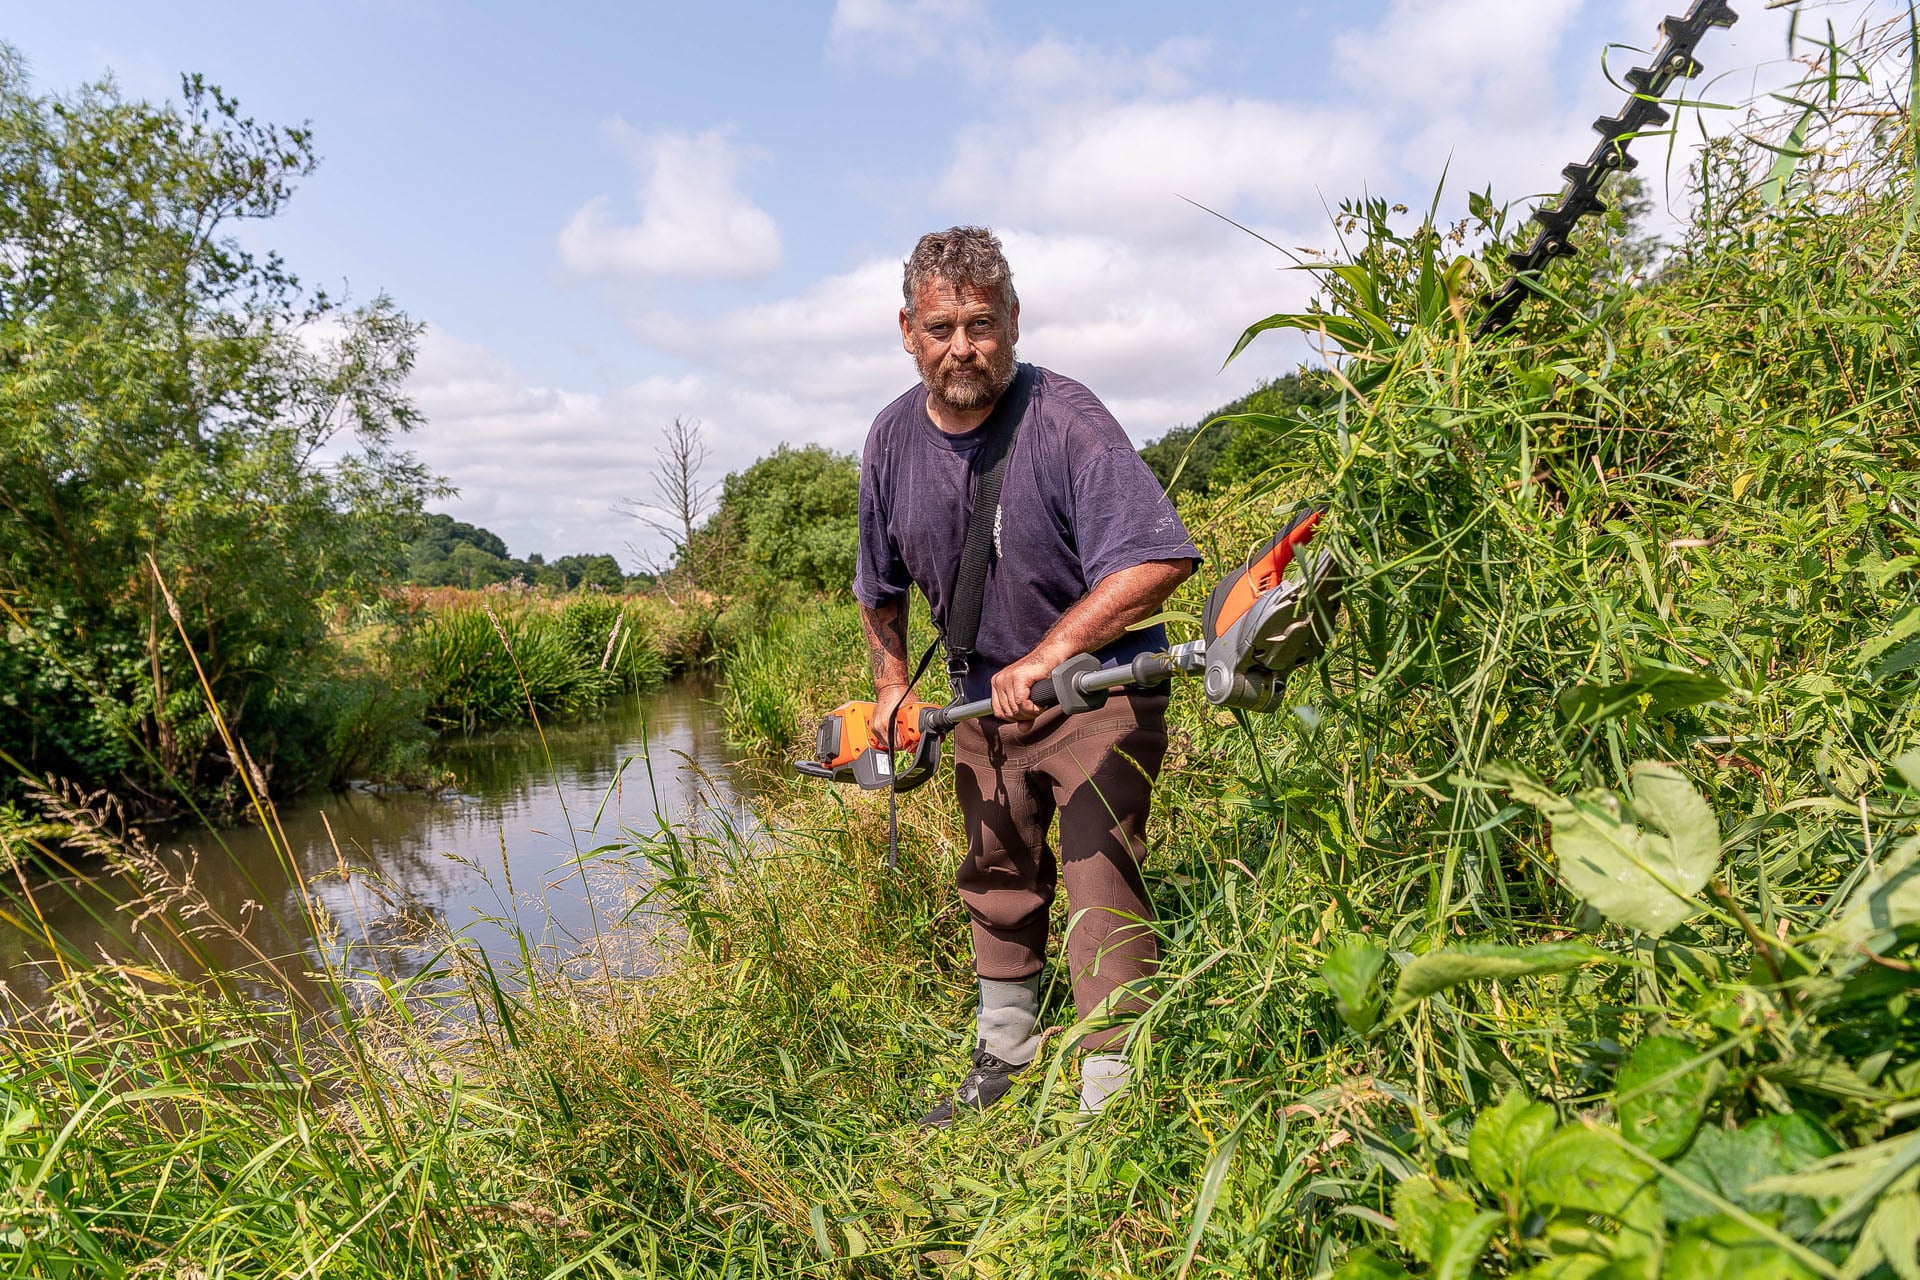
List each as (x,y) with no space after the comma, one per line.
(939,330)
(981,324)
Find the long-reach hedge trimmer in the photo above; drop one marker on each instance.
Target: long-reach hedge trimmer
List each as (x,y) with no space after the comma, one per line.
(1580,198)
(1258,626)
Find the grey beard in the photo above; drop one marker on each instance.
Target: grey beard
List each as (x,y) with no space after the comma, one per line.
(988,393)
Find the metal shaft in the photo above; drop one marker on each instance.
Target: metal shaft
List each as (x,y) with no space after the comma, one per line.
(1147,670)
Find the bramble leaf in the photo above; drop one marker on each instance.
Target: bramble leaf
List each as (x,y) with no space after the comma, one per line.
(1438,970)
(1504,1138)
(1352,973)
(1722,1248)
(1578,1168)
(1638,864)
(1436,1220)
(1661,1093)
(1730,1162)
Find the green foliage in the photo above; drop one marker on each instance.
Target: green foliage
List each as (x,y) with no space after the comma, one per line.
(1638,862)
(1352,974)
(789,521)
(453,553)
(1231,444)
(167,399)
(1445,967)
(767,704)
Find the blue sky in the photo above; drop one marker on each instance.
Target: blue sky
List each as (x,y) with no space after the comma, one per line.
(609,214)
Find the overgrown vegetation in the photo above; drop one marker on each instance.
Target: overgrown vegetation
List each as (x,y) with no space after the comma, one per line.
(174,407)
(1567,927)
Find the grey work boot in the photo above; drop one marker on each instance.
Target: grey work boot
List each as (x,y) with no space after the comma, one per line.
(1102,1076)
(1008,1029)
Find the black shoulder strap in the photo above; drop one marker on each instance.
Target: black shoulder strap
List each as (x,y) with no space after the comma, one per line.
(970,578)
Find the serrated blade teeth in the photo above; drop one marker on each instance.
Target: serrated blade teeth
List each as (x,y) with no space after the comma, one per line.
(1637,118)
(1673,60)
(1581,174)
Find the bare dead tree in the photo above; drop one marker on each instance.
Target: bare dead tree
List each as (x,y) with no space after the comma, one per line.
(681,498)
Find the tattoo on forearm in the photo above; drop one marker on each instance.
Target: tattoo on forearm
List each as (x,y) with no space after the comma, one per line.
(886,632)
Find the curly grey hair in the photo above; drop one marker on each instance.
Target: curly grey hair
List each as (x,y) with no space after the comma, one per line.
(960,256)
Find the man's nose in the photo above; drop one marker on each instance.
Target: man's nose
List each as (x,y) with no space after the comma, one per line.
(961,345)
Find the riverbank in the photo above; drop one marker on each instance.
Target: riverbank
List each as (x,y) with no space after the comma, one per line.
(396,872)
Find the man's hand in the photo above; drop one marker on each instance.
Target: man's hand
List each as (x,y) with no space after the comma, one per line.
(1013,686)
(886,704)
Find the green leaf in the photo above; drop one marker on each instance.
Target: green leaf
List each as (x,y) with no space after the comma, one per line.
(817,1216)
(1504,1138)
(1428,1212)
(1722,1248)
(1370,1264)
(1887,899)
(1730,1162)
(1891,1236)
(1653,689)
(1640,863)
(1459,1238)
(1786,160)
(1568,1266)
(1904,627)
(1352,972)
(1578,1168)
(1662,1092)
(1211,1182)
(1438,970)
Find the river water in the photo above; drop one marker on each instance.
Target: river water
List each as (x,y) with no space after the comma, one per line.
(527,852)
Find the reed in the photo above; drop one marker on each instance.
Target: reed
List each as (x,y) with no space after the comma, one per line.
(506,661)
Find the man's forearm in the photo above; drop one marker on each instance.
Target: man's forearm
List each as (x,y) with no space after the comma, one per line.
(886,631)
(1116,602)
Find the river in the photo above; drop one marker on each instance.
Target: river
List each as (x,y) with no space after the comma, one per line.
(511,857)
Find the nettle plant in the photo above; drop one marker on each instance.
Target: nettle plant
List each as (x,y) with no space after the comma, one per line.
(1760,1127)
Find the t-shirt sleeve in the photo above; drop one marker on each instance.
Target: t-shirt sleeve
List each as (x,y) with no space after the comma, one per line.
(879,574)
(1122,517)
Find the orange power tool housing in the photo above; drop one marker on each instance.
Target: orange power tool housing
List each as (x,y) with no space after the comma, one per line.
(846,747)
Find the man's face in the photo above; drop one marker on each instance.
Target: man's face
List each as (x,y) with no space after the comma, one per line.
(961,339)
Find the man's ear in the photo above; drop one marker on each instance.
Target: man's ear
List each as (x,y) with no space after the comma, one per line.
(1013,323)
(906,331)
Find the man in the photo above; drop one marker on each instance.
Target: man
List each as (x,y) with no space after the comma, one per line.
(1085,543)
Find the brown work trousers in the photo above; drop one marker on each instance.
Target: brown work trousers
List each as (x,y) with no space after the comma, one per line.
(1096,770)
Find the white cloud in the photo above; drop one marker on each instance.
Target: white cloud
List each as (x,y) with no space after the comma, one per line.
(901,34)
(1436,55)
(1081,162)
(544,467)
(1125,168)
(694,219)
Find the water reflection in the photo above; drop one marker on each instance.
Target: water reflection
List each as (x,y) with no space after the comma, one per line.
(510,857)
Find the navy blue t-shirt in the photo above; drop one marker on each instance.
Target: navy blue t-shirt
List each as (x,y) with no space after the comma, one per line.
(1076,504)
